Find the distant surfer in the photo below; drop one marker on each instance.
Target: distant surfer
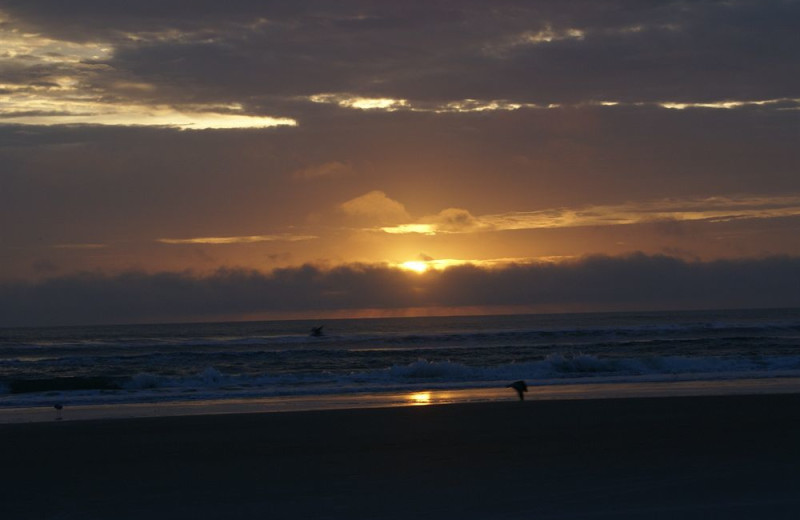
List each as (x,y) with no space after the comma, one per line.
(520,387)
(316,331)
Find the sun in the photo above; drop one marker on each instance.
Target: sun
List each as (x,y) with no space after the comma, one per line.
(415,265)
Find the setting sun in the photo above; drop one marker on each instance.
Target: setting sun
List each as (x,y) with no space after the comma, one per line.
(417,266)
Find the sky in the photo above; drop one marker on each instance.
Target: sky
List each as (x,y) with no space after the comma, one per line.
(183,160)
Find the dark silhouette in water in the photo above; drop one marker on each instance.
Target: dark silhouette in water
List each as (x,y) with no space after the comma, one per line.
(58,407)
(520,387)
(316,331)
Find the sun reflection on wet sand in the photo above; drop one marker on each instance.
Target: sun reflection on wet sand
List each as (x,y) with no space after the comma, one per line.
(419,398)
(496,394)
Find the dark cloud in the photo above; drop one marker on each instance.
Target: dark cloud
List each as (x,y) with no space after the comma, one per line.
(594,283)
(442,51)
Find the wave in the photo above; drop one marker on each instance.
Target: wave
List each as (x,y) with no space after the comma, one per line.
(560,366)
(59,384)
(579,337)
(554,369)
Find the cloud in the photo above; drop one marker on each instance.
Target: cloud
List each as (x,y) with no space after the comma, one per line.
(89,113)
(235,240)
(375,207)
(467,106)
(326,170)
(362,103)
(360,55)
(453,220)
(593,283)
(49,81)
(710,209)
(354,101)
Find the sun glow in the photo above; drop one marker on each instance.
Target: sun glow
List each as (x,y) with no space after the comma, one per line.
(440,264)
(423,229)
(417,266)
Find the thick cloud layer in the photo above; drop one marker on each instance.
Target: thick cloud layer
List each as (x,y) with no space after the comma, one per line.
(595,283)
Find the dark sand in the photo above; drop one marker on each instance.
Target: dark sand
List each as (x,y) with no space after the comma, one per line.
(683,457)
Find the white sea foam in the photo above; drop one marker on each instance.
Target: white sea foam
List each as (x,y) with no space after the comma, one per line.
(554,367)
(159,362)
(577,367)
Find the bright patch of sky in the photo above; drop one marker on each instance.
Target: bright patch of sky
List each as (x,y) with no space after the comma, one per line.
(48,82)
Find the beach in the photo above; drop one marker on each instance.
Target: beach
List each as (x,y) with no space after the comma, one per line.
(665,457)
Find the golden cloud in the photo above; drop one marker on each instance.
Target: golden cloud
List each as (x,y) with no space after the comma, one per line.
(235,239)
(469,105)
(711,209)
(53,87)
(376,207)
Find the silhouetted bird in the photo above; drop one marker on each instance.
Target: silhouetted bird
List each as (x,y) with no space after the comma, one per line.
(520,387)
(317,331)
(58,407)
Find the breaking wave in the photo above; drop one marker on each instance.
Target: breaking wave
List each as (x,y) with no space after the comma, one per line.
(554,369)
(152,363)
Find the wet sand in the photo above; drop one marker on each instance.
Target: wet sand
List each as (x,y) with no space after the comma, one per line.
(676,457)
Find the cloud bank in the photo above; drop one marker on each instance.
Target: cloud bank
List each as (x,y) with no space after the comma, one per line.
(593,283)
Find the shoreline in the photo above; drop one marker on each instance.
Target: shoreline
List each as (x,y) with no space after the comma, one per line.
(305,403)
(693,457)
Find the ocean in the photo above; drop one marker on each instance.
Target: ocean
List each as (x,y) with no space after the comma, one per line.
(242,360)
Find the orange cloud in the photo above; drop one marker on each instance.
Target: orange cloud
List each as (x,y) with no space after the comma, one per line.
(376,207)
(235,239)
(711,209)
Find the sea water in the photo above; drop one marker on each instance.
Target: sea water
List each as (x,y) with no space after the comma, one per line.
(247,360)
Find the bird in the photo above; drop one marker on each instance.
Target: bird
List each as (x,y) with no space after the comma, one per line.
(58,407)
(316,331)
(520,387)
